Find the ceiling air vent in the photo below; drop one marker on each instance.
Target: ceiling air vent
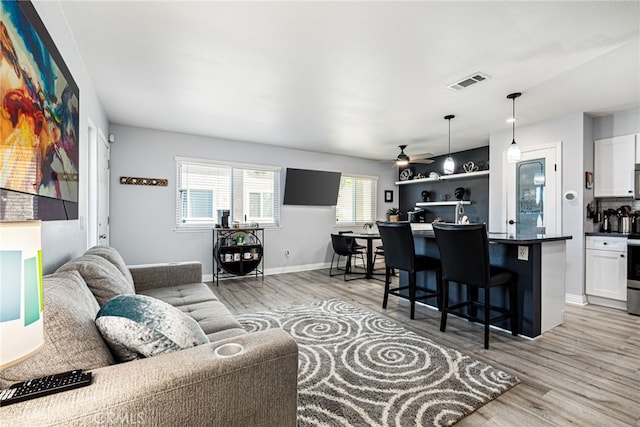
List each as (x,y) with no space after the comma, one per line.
(468,81)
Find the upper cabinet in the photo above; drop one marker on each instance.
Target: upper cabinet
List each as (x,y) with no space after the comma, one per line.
(614,164)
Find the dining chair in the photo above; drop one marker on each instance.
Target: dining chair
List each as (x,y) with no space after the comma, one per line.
(400,254)
(343,246)
(464,255)
(354,244)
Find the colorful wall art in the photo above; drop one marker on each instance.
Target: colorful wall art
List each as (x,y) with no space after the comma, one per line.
(39,120)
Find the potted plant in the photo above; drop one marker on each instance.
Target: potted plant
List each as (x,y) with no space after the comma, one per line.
(393,214)
(368,227)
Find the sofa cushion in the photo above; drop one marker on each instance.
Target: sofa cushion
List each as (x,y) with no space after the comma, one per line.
(180,295)
(114,257)
(200,303)
(137,326)
(71,339)
(102,277)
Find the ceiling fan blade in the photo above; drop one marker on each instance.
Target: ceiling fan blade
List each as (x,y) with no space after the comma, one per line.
(423,161)
(422,156)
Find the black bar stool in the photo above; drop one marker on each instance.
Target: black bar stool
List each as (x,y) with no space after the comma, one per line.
(400,253)
(464,254)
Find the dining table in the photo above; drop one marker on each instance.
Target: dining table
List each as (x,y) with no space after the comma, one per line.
(369,237)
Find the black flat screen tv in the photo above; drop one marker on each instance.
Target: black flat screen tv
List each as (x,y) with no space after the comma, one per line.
(310,187)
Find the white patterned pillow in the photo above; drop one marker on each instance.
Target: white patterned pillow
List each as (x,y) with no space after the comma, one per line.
(136,326)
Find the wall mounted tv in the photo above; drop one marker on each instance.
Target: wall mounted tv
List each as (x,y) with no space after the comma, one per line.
(310,187)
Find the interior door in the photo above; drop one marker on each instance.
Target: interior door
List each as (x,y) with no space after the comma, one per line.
(103,190)
(533,192)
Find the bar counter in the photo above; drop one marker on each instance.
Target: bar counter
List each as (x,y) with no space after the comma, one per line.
(539,262)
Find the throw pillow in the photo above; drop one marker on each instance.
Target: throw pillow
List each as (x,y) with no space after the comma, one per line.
(114,257)
(102,277)
(71,339)
(136,326)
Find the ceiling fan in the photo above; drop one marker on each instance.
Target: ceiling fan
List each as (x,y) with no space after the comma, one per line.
(403,159)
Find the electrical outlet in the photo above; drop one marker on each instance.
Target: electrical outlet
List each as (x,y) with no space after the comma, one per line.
(523,253)
(287,253)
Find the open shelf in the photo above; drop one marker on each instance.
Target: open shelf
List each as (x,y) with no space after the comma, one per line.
(445,177)
(237,252)
(447,203)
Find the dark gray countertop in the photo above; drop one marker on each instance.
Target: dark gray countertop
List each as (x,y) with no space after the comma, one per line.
(508,239)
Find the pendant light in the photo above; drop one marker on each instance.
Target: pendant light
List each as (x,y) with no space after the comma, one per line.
(513,153)
(449,164)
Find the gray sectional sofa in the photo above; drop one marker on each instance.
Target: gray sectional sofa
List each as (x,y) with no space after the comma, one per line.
(189,387)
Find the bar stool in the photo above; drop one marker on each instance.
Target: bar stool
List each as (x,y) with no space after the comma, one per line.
(464,254)
(400,253)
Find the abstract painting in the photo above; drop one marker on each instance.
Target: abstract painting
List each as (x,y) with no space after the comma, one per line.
(39,120)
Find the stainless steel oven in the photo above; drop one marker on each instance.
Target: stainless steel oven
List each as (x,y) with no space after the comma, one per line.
(633,275)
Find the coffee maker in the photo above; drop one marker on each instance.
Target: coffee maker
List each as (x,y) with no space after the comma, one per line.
(223,218)
(416,215)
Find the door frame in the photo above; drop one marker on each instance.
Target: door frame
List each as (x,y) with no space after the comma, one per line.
(508,184)
(103,186)
(97,143)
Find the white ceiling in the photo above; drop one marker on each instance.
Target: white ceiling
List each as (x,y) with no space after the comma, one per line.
(356,78)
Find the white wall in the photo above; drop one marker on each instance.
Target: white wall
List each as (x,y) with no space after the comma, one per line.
(143,218)
(570,131)
(63,240)
(577,132)
(624,123)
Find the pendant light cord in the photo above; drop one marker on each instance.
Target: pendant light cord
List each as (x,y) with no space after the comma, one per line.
(449,137)
(513,123)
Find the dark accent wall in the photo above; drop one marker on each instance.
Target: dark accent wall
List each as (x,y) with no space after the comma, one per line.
(477,188)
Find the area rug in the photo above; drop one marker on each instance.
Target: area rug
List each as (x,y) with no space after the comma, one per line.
(359,369)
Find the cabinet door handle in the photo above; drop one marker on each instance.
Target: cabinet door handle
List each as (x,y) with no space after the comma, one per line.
(621,256)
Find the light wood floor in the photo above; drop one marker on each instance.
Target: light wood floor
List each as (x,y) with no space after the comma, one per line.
(585,372)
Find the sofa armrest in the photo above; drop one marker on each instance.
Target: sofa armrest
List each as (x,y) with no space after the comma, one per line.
(148,276)
(192,387)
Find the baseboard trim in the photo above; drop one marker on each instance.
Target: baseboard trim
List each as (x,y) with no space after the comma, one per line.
(295,268)
(575,299)
(606,302)
(271,271)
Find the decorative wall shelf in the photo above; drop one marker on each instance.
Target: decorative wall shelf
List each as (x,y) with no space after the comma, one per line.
(447,203)
(445,177)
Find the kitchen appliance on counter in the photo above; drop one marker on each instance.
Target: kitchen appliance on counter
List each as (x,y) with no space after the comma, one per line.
(633,274)
(624,224)
(637,182)
(608,215)
(417,215)
(635,223)
(624,219)
(223,218)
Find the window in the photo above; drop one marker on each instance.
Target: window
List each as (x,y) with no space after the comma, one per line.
(356,199)
(250,193)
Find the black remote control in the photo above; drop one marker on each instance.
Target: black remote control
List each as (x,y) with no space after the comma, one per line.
(43,386)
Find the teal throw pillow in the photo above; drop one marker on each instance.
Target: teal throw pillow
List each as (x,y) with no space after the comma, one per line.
(136,326)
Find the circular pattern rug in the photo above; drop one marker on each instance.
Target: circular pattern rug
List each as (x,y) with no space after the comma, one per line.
(359,369)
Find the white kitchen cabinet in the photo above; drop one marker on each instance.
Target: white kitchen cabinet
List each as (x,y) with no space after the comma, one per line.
(614,165)
(606,267)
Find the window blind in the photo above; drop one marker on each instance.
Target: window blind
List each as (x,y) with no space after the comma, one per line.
(251,193)
(357,200)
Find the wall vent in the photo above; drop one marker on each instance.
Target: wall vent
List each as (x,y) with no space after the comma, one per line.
(468,81)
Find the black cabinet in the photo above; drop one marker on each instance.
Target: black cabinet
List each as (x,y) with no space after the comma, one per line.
(237,252)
